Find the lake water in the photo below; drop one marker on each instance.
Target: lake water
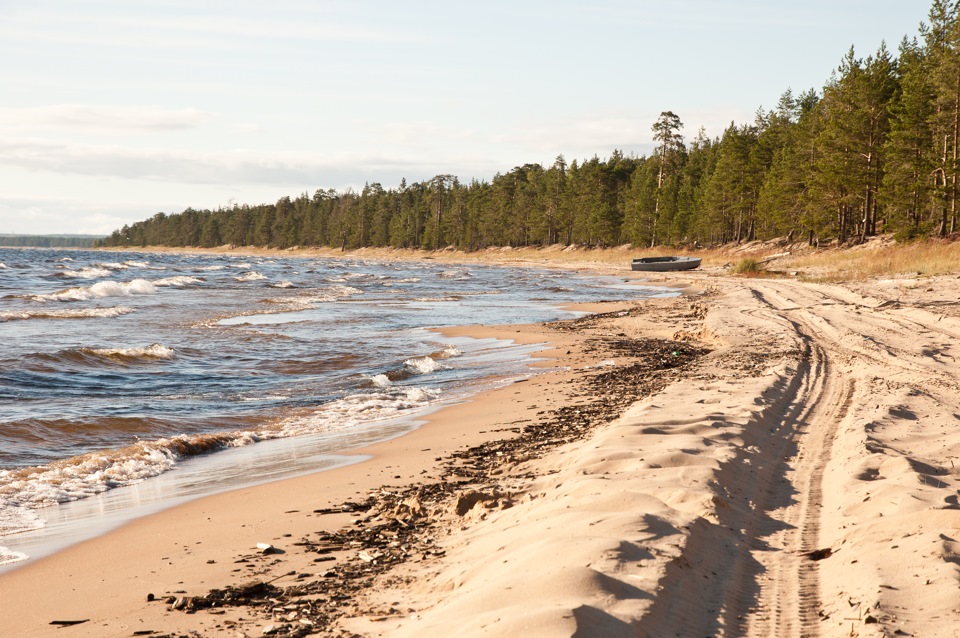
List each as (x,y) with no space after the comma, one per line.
(133,381)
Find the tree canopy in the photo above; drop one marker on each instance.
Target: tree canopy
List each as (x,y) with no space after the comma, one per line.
(875,150)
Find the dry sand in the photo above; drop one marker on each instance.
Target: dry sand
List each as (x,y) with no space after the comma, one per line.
(798,480)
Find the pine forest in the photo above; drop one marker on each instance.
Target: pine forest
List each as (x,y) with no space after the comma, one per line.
(875,151)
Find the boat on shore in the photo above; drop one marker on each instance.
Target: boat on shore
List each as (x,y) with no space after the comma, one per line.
(663,264)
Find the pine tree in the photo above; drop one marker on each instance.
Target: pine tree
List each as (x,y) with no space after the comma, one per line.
(666,132)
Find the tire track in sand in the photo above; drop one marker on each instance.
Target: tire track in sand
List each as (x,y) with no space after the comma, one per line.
(747,574)
(789,600)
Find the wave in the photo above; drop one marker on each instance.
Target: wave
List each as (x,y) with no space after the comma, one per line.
(417,366)
(23,490)
(306,301)
(312,299)
(79,313)
(97,357)
(3,266)
(380,381)
(179,281)
(356,409)
(294,366)
(447,353)
(100,290)
(422,365)
(154,351)
(460,273)
(13,520)
(283,284)
(250,276)
(90,474)
(89,272)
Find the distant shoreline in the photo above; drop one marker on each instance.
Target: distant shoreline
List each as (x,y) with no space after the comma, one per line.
(49,241)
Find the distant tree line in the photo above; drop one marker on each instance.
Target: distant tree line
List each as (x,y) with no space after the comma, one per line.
(51,241)
(875,151)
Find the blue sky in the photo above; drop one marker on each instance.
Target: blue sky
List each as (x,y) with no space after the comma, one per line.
(114,110)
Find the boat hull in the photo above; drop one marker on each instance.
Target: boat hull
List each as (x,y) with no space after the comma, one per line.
(664,264)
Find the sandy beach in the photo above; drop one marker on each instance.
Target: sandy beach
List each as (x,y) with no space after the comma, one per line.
(758,457)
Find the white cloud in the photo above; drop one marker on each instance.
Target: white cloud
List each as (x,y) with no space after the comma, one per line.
(44,215)
(215,168)
(78,117)
(600,132)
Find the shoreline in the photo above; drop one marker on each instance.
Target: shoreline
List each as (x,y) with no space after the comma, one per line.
(35,546)
(795,477)
(443,432)
(104,500)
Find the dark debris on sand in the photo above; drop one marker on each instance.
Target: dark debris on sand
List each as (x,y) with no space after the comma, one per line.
(393,525)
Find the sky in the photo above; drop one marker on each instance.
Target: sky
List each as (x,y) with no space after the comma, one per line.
(114,110)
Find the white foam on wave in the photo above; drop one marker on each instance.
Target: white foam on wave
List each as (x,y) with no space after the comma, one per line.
(89,272)
(8,556)
(154,351)
(332,293)
(355,409)
(380,381)
(113,265)
(451,351)
(15,518)
(283,284)
(26,489)
(178,281)
(79,477)
(3,266)
(102,289)
(78,313)
(136,264)
(308,300)
(250,276)
(91,474)
(84,476)
(422,365)
(211,268)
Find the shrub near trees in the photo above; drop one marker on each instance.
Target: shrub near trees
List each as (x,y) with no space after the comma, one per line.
(875,151)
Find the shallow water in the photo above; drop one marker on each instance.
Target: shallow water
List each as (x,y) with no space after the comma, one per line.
(146,371)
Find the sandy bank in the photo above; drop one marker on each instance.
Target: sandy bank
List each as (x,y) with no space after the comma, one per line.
(800,481)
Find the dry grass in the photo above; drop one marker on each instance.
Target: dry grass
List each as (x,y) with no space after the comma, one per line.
(882,259)
(748,266)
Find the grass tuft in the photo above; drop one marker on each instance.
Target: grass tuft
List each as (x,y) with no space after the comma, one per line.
(747,266)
